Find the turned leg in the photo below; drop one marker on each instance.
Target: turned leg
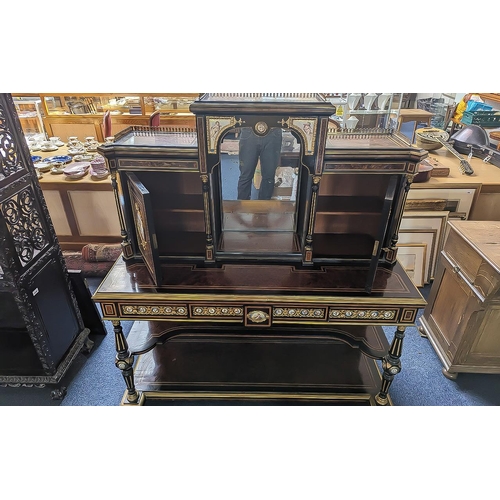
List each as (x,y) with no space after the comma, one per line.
(125,362)
(391,365)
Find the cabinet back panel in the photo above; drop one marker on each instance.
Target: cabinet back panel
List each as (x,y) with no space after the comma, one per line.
(347,223)
(179,220)
(181,243)
(178,215)
(259,242)
(344,246)
(354,185)
(349,204)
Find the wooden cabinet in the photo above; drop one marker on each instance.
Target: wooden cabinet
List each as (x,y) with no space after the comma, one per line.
(41,327)
(83,211)
(463,312)
(229,275)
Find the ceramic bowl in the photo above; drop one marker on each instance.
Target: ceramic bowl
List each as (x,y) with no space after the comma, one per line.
(43,167)
(56,170)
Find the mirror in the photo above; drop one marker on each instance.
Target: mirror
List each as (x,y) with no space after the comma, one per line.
(259,179)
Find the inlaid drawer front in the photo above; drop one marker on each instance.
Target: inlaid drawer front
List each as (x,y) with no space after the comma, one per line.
(370,167)
(383,315)
(159,164)
(156,311)
(299,313)
(216,312)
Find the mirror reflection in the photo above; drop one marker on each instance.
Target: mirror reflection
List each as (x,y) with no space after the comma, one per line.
(259,179)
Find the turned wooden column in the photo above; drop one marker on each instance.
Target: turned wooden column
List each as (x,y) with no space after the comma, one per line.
(391,365)
(125,363)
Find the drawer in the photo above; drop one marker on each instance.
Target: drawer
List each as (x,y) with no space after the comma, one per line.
(471,265)
(463,255)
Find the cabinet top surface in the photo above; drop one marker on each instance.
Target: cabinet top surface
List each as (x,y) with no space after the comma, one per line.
(260,282)
(161,138)
(375,140)
(484,236)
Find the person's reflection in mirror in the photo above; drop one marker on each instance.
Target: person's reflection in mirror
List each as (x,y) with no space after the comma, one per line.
(251,148)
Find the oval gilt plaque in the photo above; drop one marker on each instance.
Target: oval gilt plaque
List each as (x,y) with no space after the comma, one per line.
(258,316)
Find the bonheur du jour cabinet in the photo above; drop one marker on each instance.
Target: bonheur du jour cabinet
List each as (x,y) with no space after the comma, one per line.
(258,251)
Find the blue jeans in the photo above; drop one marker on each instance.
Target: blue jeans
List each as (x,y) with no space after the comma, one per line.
(253,147)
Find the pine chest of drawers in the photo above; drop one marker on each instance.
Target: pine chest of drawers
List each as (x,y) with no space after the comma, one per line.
(462,317)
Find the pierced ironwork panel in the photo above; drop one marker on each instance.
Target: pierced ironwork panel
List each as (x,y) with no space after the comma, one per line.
(9,159)
(24,224)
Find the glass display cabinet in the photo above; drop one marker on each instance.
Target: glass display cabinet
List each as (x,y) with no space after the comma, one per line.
(30,113)
(264,222)
(81,115)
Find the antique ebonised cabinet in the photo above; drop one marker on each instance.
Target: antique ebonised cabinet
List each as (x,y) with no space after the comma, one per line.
(41,328)
(319,251)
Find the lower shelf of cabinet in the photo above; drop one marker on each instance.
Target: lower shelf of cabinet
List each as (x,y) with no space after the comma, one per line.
(255,370)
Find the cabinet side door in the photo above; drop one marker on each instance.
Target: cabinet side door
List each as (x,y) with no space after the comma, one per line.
(142,212)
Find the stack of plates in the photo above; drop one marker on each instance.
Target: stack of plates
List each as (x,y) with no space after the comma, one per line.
(61,159)
(98,168)
(76,170)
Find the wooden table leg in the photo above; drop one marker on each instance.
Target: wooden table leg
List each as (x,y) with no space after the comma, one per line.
(391,365)
(125,362)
